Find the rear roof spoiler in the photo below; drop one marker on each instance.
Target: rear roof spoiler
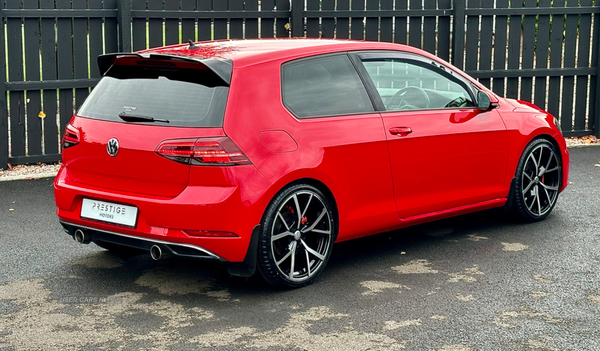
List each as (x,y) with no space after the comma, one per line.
(222,68)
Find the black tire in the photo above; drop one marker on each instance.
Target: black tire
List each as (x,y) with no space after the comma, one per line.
(119,250)
(537,181)
(297,234)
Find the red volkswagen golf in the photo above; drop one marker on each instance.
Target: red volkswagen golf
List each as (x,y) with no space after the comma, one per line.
(263,153)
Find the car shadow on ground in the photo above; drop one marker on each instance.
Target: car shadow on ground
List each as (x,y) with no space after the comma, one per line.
(353,260)
(418,238)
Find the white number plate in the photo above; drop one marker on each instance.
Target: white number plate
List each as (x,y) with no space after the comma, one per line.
(109,212)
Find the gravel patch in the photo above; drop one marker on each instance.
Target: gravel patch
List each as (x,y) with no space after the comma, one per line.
(582,141)
(20,172)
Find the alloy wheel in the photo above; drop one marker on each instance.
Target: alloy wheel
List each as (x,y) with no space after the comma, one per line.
(297,237)
(538,182)
(301,235)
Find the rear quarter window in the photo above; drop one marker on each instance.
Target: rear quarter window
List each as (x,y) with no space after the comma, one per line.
(324,86)
(184,97)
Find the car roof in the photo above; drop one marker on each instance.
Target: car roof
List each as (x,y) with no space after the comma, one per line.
(248,52)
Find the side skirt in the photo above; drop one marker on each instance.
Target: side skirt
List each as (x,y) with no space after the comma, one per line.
(486,205)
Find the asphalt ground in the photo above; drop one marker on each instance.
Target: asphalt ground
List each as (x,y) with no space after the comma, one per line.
(476,282)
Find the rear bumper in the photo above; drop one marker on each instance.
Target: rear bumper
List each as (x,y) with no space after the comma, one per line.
(233,209)
(175,249)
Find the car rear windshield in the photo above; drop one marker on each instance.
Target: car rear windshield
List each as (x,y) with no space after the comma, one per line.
(184,97)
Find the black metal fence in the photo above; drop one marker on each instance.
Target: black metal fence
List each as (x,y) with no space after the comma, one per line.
(543,51)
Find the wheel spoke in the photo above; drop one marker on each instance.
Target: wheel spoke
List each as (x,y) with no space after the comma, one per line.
(537,193)
(547,195)
(307,204)
(293,251)
(551,170)
(540,157)
(315,253)
(550,160)
(298,210)
(527,175)
(548,187)
(532,200)
(535,164)
(528,187)
(315,222)
(287,227)
(286,255)
(279,236)
(307,262)
(321,231)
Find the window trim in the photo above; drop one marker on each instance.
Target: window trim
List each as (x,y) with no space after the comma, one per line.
(406,57)
(356,70)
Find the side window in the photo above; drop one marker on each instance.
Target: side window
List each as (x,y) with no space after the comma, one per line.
(407,85)
(324,86)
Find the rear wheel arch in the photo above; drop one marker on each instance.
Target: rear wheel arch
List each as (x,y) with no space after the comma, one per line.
(313,182)
(325,190)
(280,257)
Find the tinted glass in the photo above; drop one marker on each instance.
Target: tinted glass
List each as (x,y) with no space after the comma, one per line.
(409,86)
(179,96)
(324,86)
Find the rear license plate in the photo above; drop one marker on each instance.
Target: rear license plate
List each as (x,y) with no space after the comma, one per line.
(109,212)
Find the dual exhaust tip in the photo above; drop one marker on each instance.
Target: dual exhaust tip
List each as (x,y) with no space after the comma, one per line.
(81,237)
(156,252)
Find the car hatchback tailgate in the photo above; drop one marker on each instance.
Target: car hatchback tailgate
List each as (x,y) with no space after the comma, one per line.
(136,167)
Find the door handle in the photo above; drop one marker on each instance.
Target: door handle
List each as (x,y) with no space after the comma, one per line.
(401,131)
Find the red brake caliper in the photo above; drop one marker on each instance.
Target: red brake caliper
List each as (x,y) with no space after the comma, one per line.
(303,220)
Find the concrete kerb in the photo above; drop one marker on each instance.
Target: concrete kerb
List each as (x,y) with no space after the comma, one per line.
(28,176)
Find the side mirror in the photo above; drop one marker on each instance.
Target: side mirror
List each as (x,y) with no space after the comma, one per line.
(483,101)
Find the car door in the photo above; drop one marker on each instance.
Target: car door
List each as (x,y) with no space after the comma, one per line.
(445,153)
(341,139)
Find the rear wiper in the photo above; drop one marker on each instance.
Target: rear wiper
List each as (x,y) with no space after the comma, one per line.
(140,118)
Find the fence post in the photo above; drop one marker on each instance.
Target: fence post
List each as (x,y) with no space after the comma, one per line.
(595,96)
(297,18)
(3,107)
(596,104)
(124,17)
(458,32)
(594,88)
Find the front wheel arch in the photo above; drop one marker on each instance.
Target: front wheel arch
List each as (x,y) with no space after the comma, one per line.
(547,137)
(535,172)
(555,143)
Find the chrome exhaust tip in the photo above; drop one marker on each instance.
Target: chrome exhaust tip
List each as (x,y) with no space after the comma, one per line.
(157,253)
(81,237)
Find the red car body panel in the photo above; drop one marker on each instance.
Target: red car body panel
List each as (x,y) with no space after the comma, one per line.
(455,158)
(454,162)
